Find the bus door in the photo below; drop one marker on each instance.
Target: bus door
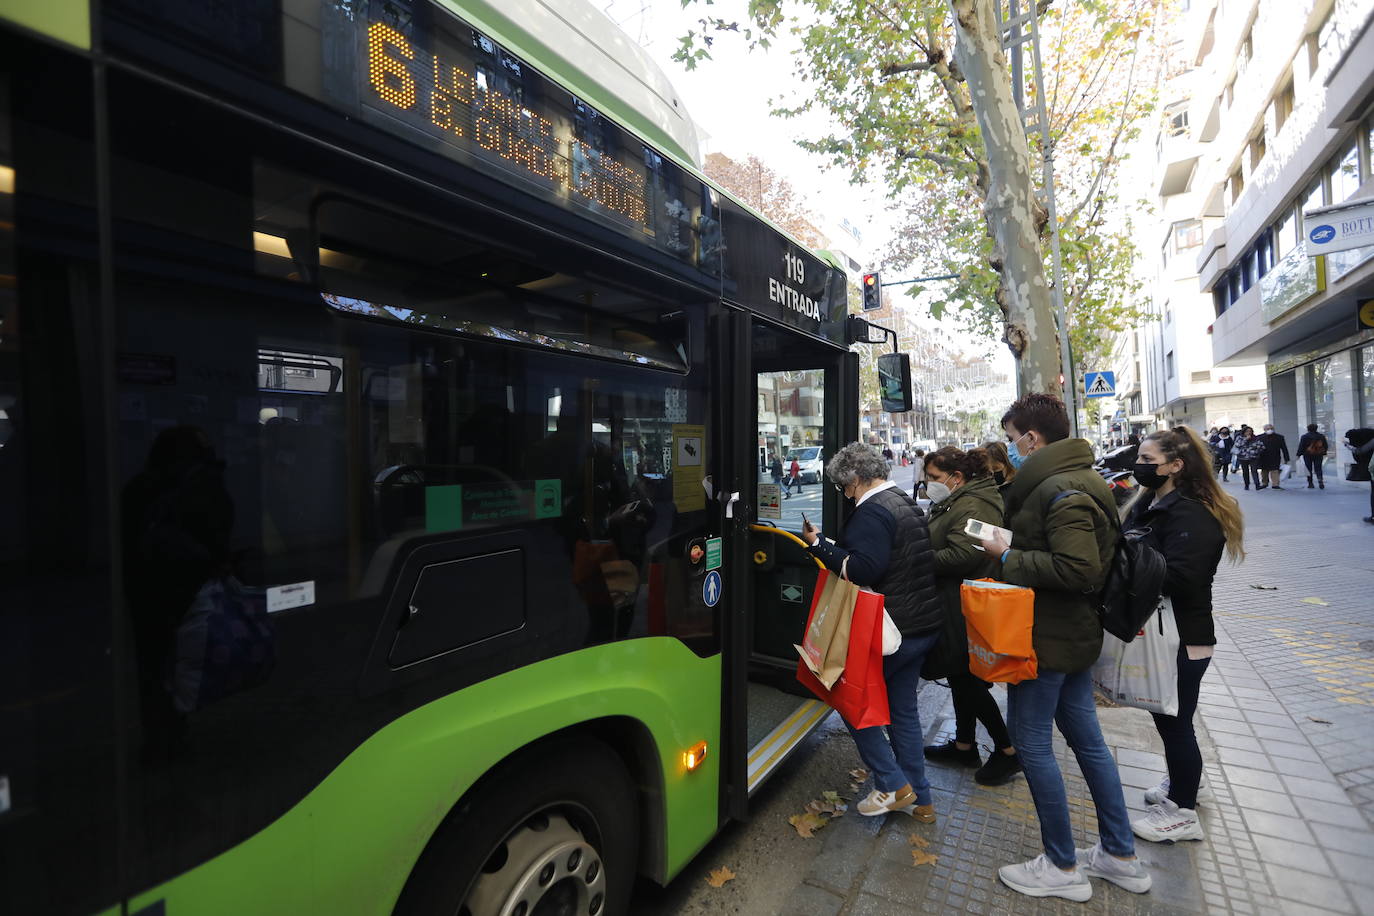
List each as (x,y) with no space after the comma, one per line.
(796,405)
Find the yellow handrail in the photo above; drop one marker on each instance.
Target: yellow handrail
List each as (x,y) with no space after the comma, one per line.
(787,534)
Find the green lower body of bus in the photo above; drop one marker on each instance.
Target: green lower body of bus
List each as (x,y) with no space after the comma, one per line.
(349,846)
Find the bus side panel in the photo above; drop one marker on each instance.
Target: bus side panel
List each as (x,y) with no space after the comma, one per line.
(65,20)
(351,843)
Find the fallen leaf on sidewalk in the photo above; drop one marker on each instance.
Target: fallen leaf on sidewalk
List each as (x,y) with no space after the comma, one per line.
(719,876)
(1319,721)
(1267,588)
(832,797)
(921,857)
(807,824)
(1317,601)
(919,841)
(859,774)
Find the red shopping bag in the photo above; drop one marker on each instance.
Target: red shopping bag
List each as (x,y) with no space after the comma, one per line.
(860,695)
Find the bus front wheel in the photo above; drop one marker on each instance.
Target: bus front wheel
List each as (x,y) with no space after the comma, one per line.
(554,833)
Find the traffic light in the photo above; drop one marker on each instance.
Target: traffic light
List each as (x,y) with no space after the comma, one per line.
(873,296)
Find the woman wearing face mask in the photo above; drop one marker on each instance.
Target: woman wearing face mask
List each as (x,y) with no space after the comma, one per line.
(885,546)
(1190,520)
(960,489)
(999,462)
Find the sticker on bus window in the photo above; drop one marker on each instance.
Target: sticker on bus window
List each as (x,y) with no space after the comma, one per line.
(285,597)
(770,501)
(689,459)
(4,794)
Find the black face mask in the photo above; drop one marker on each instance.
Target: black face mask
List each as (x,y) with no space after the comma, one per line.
(1148,476)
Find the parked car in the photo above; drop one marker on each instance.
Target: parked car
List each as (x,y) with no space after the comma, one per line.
(809,459)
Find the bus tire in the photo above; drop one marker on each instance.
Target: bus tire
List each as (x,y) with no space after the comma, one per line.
(561,830)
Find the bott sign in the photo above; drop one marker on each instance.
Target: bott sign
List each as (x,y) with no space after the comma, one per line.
(1339,227)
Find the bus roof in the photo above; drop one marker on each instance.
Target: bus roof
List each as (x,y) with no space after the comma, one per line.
(575,44)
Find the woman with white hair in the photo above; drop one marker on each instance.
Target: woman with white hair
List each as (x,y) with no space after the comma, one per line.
(886,546)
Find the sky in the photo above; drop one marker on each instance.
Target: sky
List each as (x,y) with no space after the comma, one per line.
(729,95)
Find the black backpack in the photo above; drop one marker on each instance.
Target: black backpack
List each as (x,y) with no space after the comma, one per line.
(1135,579)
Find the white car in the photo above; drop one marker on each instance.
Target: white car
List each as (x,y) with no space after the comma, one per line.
(808,460)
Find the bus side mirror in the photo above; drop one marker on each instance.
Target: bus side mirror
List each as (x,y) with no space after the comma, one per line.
(894,382)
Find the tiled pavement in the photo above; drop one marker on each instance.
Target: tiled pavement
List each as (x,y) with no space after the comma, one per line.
(1287,729)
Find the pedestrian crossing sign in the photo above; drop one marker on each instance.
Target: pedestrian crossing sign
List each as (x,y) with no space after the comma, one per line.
(1099,384)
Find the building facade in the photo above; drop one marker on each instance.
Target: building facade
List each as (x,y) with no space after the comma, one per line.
(1282,115)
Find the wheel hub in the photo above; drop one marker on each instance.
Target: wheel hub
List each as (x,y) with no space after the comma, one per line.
(545,868)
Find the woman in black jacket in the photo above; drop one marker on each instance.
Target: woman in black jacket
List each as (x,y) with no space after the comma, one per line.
(886,547)
(1191,521)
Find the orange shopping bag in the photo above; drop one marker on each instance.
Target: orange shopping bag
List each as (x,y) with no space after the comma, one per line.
(860,695)
(999,618)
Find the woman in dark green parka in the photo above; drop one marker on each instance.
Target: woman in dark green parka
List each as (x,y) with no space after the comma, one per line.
(961,487)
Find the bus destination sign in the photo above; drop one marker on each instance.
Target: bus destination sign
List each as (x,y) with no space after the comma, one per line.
(416,70)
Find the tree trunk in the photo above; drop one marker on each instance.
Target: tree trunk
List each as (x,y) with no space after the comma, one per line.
(1010,205)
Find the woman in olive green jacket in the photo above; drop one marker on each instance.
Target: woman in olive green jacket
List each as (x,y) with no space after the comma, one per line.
(961,487)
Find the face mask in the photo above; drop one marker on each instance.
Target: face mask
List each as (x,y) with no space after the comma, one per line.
(937,492)
(1268,430)
(1148,476)
(1014,453)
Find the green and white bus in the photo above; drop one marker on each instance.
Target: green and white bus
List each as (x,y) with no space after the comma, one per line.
(383,524)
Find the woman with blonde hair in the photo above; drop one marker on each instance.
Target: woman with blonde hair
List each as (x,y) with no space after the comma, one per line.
(999,461)
(1190,521)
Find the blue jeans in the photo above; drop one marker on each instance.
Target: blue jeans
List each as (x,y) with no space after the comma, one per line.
(897,757)
(1067,700)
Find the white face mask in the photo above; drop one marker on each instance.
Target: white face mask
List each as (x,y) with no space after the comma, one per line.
(937,492)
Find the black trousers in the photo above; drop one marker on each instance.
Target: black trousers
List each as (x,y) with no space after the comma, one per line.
(1314,465)
(1181,752)
(1248,469)
(973,703)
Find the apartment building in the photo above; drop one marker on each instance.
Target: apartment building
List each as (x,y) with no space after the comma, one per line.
(1166,369)
(1281,118)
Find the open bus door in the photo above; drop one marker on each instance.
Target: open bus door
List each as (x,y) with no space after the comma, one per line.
(789,397)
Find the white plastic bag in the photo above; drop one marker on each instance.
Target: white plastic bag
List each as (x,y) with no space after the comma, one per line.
(892,637)
(1144,672)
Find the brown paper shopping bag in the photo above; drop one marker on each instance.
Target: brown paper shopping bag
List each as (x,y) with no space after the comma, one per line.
(826,641)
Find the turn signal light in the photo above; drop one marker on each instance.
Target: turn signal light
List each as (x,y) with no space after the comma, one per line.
(693,757)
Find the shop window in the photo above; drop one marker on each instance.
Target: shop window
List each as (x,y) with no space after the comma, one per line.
(1287,235)
(1366,377)
(1316,197)
(1321,394)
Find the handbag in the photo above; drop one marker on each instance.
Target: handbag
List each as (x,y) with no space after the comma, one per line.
(892,637)
(1143,672)
(999,618)
(1359,472)
(860,693)
(224,645)
(825,642)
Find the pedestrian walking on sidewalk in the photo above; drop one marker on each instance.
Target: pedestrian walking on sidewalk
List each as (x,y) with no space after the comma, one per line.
(1063,547)
(1361,444)
(1313,448)
(1222,444)
(918,475)
(1190,521)
(793,478)
(960,489)
(887,547)
(1246,454)
(775,470)
(1273,445)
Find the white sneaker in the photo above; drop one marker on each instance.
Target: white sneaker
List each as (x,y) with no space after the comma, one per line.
(1128,873)
(1042,878)
(1166,822)
(1158,793)
(884,802)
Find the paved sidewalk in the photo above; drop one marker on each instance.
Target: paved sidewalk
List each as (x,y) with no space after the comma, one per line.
(1287,731)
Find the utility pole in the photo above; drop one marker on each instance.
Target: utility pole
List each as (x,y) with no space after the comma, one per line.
(1036,121)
